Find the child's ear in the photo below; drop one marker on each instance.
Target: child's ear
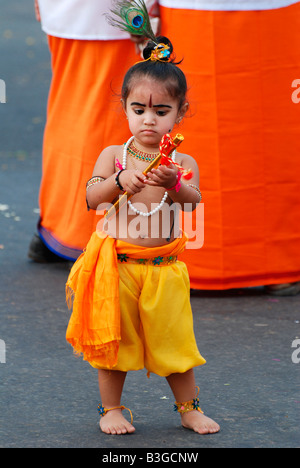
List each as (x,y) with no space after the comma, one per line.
(182,111)
(124,106)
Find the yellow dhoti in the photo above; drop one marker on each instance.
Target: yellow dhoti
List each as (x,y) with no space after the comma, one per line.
(127,316)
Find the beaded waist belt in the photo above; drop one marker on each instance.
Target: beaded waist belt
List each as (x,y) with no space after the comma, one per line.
(154,261)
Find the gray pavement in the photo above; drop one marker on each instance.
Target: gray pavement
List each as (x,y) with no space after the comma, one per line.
(49,397)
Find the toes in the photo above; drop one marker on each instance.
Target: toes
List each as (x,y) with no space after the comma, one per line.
(207,430)
(200,423)
(214,429)
(118,429)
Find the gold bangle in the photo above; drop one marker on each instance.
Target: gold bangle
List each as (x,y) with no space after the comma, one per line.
(197,190)
(93,181)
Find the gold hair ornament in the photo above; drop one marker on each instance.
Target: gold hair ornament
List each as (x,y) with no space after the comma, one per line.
(161,53)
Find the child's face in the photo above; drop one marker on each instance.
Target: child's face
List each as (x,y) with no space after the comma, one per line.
(151,112)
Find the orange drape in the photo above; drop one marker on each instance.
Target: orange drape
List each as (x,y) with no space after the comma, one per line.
(84,116)
(244,132)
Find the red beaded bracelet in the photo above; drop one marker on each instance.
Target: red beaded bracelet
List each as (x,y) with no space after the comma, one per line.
(178,183)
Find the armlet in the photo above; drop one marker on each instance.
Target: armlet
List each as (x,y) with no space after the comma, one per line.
(94,180)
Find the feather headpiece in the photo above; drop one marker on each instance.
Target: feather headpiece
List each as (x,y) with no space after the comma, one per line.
(132,16)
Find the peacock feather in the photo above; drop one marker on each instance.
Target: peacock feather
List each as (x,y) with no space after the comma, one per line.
(132,16)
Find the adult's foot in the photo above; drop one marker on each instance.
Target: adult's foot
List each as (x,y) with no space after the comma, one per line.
(39,252)
(287,289)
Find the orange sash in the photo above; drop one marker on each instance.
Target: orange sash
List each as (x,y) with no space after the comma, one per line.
(93,288)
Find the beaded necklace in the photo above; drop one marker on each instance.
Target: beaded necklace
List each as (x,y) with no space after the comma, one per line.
(160,205)
(141,155)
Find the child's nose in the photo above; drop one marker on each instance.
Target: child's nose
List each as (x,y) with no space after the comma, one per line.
(149,118)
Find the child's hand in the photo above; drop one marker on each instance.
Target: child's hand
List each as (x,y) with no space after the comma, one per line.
(132,181)
(37,10)
(163,176)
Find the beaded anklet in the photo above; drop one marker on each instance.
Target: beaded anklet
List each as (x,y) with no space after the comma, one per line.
(103,411)
(188,406)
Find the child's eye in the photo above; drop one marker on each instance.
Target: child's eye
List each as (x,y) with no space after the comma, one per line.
(139,111)
(161,113)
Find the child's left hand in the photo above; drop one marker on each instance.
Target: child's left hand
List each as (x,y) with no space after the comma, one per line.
(163,176)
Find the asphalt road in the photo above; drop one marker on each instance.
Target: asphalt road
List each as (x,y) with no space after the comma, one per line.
(49,398)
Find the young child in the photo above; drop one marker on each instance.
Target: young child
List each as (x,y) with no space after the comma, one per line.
(132,309)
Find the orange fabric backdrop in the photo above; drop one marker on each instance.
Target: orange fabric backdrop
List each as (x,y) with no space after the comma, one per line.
(84,117)
(244,132)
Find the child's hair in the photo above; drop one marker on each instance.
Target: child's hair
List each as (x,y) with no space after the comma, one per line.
(163,70)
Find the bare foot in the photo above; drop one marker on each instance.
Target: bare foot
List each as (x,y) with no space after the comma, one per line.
(200,423)
(115,423)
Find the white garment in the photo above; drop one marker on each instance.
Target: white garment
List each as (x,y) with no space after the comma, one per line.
(81,19)
(215,5)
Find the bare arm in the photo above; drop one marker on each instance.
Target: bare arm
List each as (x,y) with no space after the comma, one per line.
(107,191)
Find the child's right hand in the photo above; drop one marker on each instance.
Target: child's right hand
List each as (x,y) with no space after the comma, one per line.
(132,181)
(37,10)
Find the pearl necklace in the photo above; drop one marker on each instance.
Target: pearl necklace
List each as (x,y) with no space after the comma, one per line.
(160,205)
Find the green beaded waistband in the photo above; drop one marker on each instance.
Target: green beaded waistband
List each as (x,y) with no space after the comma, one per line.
(154,261)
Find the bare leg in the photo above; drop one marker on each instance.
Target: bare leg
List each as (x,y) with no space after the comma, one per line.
(184,389)
(111,386)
